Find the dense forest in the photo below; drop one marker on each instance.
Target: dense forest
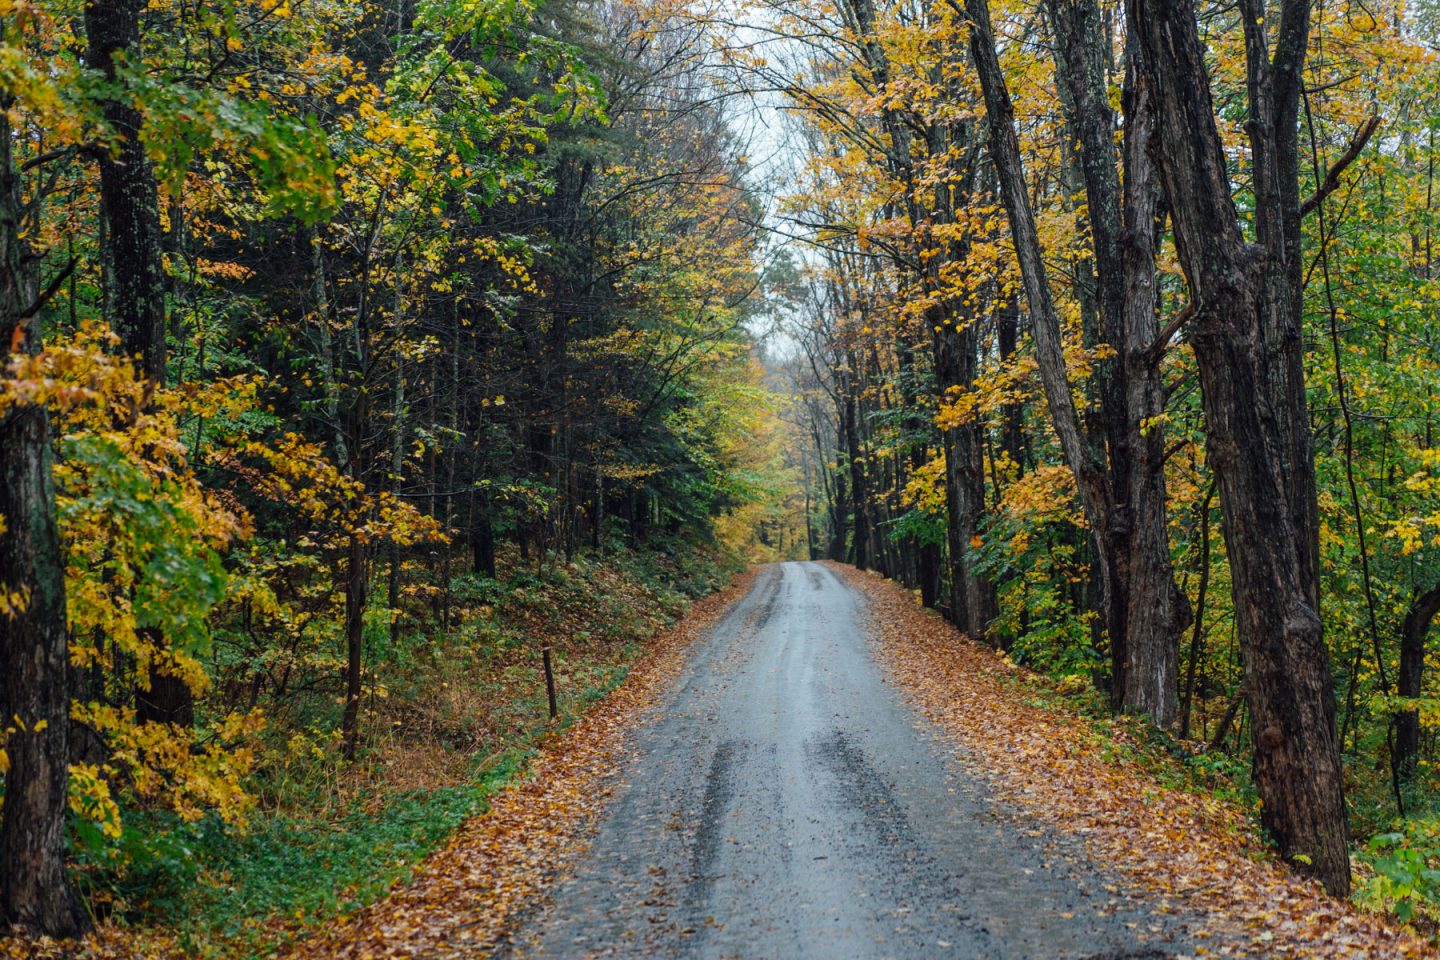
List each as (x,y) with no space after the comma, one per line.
(381,376)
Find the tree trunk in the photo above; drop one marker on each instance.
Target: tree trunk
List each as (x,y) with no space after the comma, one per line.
(128,192)
(1273,86)
(1289,688)
(34,663)
(330,384)
(1410,682)
(34,639)
(1012,430)
(1156,611)
(131,203)
(355,587)
(859,495)
(1197,638)
(835,549)
(973,603)
(1145,611)
(399,413)
(1084,462)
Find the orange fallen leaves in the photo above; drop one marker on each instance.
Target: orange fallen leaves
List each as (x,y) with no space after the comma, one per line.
(1183,852)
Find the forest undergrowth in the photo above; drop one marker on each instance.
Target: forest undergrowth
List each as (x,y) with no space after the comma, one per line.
(462,715)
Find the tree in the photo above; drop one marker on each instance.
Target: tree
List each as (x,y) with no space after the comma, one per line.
(129,199)
(1122,486)
(1411,677)
(34,636)
(1288,686)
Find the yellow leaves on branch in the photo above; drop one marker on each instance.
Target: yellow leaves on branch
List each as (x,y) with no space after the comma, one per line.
(13,602)
(144,540)
(293,471)
(167,763)
(90,799)
(1418,530)
(1044,495)
(925,489)
(992,392)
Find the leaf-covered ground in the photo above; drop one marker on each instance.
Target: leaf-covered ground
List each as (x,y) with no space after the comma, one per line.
(1181,851)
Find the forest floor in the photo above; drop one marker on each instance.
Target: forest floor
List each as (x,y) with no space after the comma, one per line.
(1186,851)
(462,716)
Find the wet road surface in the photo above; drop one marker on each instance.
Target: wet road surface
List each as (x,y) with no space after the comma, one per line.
(785,803)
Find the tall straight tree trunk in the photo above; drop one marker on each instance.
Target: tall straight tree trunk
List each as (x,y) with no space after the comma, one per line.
(1146,611)
(356,584)
(1085,463)
(926,556)
(398,414)
(955,341)
(130,199)
(359,464)
(1288,686)
(321,285)
(811,551)
(34,638)
(910,547)
(1012,415)
(1410,681)
(34,669)
(972,599)
(1123,489)
(1157,611)
(835,548)
(1273,86)
(128,191)
(973,602)
(859,492)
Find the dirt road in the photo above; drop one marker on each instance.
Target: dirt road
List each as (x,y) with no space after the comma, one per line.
(785,803)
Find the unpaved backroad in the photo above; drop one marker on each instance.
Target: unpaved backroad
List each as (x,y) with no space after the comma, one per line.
(784,803)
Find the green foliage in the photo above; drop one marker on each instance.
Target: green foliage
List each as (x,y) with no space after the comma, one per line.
(921,526)
(1400,870)
(1040,561)
(146,534)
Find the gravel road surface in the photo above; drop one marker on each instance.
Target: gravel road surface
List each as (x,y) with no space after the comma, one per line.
(784,802)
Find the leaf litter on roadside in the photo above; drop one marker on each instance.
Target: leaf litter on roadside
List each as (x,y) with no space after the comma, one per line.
(1183,852)
(467,896)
